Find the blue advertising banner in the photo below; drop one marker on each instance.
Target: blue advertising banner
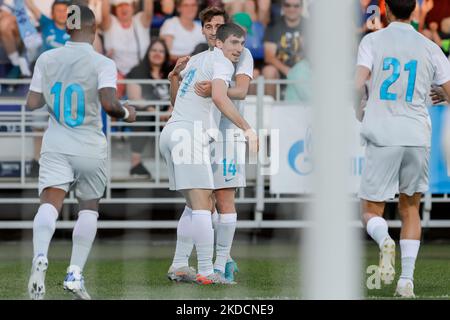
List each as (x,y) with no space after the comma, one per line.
(439,179)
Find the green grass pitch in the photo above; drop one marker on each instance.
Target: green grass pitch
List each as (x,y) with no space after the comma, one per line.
(137,270)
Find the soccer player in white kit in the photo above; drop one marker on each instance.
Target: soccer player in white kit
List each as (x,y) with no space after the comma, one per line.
(73,82)
(195,179)
(228,168)
(402,65)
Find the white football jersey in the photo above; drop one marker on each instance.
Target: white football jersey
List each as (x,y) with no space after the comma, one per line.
(207,65)
(404,64)
(69,79)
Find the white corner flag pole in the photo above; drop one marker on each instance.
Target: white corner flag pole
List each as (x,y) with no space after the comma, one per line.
(331,259)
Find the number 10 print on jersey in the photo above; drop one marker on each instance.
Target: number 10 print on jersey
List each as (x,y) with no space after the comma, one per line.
(69,119)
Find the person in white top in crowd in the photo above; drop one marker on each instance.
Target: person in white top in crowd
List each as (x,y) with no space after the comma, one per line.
(126,34)
(182,34)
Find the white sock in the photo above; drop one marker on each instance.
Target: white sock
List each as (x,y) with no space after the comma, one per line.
(215,219)
(225,234)
(184,239)
(409,250)
(203,237)
(14,58)
(83,236)
(44,225)
(377,228)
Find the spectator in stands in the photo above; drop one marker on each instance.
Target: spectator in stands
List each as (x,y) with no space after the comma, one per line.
(10,40)
(441,35)
(282,43)
(53,29)
(182,34)
(427,6)
(259,10)
(163,9)
(302,88)
(156,65)
(126,34)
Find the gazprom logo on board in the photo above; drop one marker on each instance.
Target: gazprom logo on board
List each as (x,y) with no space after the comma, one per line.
(300,155)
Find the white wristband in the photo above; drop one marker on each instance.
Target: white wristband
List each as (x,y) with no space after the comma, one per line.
(127,113)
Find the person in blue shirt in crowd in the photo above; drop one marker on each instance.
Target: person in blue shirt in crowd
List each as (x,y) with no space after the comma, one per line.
(53,29)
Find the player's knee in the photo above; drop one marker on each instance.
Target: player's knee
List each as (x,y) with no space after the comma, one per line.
(91,205)
(270,72)
(225,201)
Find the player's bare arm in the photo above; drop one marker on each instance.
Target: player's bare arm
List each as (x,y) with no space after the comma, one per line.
(175,78)
(438,95)
(114,108)
(226,107)
(35,100)
(362,75)
(238,92)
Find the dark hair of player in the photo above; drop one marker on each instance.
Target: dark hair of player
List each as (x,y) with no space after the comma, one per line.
(86,20)
(229,29)
(207,14)
(401,9)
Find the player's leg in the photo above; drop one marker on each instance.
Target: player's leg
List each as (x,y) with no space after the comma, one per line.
(409,241)
(229,174)
(413,182)
(44,225)
(54,180)
(379,182)
(83,237)
(179,270)
(89,189)
(226,226)
(202,232)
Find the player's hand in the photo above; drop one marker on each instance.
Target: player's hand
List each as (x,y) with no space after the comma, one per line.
(434,26)
(203,88)
(252,140)
(438,95)
(179,66)
(132,113)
